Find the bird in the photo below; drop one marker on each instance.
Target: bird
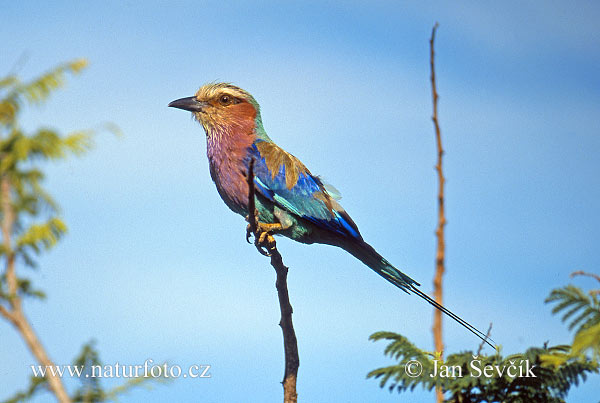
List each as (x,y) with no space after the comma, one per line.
(289,200)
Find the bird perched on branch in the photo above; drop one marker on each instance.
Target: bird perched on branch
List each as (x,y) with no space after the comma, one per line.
(289,199)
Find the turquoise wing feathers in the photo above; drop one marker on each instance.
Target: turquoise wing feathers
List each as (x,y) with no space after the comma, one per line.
(285,181)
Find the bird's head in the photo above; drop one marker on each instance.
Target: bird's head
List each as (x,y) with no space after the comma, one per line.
(222,107)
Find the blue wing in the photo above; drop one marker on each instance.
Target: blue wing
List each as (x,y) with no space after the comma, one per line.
(293,188)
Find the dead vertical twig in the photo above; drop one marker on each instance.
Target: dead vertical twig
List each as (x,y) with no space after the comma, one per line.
(290,343)
(441,246)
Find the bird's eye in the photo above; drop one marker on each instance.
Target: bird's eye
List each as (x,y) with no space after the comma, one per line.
(225,100)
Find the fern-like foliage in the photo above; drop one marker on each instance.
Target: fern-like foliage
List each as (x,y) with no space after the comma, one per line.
(581,311)
(14,92)
(540,374)
(30,217)
(29,213)
(90,389)
(466,377)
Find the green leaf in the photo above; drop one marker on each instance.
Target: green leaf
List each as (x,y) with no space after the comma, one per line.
(8,81)
(587,339)
(42,235)
(35,91)
(580,310)
(39,89)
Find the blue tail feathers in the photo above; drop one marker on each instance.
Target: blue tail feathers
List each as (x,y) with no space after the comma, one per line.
(369,256)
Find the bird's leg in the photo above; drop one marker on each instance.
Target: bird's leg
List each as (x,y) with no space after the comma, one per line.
(263,237)
(249,227)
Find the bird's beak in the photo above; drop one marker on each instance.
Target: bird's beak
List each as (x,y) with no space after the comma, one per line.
(189,104)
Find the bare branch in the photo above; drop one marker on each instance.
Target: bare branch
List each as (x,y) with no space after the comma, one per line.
(7,314)
(16,315)
(290,343)
(8,220)
(583,273)
(487,336)
(441,246)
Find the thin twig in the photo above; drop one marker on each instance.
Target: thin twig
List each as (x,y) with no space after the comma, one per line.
(487,336)
(6,313)
(583,273)
(290,343)
(19,63)
(439,257)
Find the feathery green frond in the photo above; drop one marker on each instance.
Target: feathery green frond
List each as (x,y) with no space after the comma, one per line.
(586,339)
(466,377)
(20,154)
(39,89)
(42,236)
(13,93)
(403,351)
(571,300)
(8,81)
(31,214)
(36,384)
(24,289)
(583,314)
(91,389)
(548,374)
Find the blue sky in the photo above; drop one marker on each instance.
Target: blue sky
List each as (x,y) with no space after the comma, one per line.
(155,266)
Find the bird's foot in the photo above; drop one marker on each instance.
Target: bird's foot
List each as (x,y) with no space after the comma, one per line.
(263,235)
(264,243)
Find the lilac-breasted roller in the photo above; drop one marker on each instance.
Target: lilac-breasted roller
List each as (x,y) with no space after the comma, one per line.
(289,199)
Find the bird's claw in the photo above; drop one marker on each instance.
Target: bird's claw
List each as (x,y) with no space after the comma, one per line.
(264,243)
(248,233)
(263,240)
(263,250)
